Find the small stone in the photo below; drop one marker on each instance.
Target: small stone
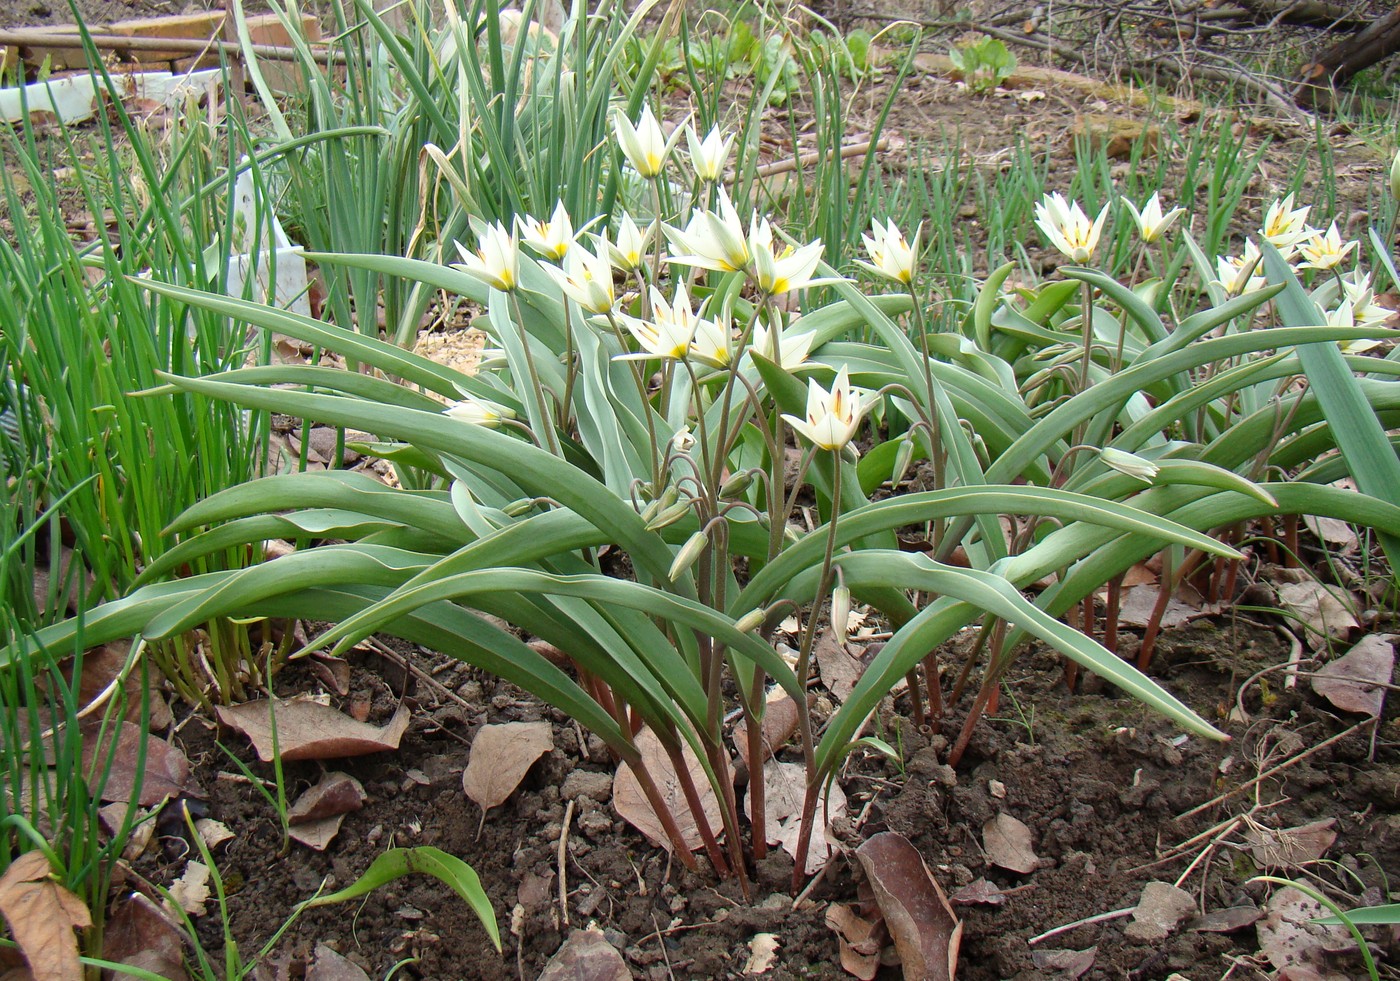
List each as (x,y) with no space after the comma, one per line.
(996,788)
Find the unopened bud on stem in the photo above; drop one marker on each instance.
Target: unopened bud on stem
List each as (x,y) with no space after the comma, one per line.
(689,552)
(840,611)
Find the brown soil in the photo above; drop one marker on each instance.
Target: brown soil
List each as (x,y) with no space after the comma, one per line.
(1098,782)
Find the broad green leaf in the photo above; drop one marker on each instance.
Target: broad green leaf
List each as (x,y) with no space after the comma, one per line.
(448,869)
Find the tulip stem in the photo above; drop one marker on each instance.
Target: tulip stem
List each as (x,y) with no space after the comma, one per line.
(551,436)
(804,670)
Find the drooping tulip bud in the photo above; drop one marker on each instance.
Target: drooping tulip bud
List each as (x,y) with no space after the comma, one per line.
(751,620)
(689,552)
(840,611)
(903,457)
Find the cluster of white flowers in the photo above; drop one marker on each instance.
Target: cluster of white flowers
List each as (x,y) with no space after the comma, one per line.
(1347,297)
(714,239)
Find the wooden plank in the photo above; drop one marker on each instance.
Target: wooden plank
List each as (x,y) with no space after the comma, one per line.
(202,26)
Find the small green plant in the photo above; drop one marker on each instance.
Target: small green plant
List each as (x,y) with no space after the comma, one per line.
(983,62)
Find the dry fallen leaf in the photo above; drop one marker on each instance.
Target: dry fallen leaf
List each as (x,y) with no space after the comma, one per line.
(140,934)
(1279,848)
(1137,604)
(779,723)
(308,730)
(1226,920)
(763,951)
(1324,611)
(329,965)
(785,787)
(42,916)
(632,805)
(839,671)
(191,890)
(1289,939)
(586,956)
(166,772)
(1007,842)
(315,818)
(860,941)
(979,892)
(1069,963)
(925,932)
(500,757)
(1160,910)
(335,793)
(1354,682)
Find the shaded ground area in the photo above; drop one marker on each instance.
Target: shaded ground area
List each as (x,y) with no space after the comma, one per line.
(1098,783)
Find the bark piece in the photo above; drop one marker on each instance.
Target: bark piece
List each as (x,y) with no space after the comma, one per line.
(926,934)
(500,757)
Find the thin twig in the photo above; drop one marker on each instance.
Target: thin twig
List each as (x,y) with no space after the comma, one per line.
(808,159)
(1116,914)
(563,857)
(1221,798)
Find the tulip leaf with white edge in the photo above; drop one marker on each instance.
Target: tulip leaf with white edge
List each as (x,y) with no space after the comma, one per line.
(544,474)
(1139,310)
(964,595)
(1360,437)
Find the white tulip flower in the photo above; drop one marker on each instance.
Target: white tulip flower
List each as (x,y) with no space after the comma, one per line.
(479,412)
(1151,223)
(1325,250)
(1286,226)
(551,239)
(708,156)
(645,145)
(587,278)
(891,255)
(832,416)
(496,261)
(1068,228)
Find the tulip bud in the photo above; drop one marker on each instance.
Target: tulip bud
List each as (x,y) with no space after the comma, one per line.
(517,508)
(840,611)
(1395,177)
(903,457)
(668,516)
(689,552)
(751,620)
(1129,463)
(736,484)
